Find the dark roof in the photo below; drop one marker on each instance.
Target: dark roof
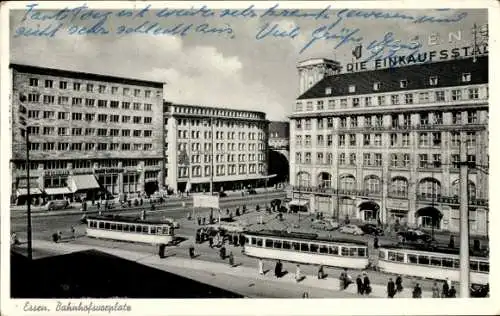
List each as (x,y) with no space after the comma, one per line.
(94,274)
(126,219)
(280,127)
(83,75)
(308,237)
(449,74)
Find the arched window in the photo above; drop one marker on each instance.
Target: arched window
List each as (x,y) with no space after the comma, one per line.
(429,188)
(471,188)
(399,187)
(324,180)
(304,179)
(372,184)
(347,182)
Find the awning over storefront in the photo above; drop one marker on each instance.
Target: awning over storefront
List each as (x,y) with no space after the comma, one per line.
(298,202)
(56,191)
(24,191)
(83,182)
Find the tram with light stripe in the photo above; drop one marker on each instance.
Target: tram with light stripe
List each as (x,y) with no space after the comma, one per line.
(130,229)
(306,248)
(431,263)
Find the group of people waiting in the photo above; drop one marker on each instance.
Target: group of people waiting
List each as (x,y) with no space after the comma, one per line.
(448,290)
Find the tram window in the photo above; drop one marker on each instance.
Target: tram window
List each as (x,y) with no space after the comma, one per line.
(269,243)
(392,256)
(296,246)
(484,267)
(447,263)
(125,228)
(423,260)
(304,247)
(101,225)
(119,227)
(132,228)
(361,252)
(259,242)
(107,225)
(456,263)
(247,240)
(474,265)
(113,226)
(277,244)
(323,249)
(381,254)
(286,245)
(412,258)
(435,261)
(345,251)
(166,231)
(153,230)
(353,252)
(400,257)
(254,241)
(145,229)
(333,250)
(313,248)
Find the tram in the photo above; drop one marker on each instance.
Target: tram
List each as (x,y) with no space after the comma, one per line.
(130,229)
(431,263)
(306,248)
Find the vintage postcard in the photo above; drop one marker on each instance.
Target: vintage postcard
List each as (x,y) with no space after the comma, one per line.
(193,158)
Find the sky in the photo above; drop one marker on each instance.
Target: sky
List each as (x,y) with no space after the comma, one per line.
(214,69)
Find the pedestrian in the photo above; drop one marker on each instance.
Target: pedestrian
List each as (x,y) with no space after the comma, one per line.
(359,284)
(367,289)
(321,273)
(141,202)
(204,221)
(211,241)
(191,252)
(399,284)
(235,240)
(261,267)
(391,288)
(59,235)
(227,212)
(417,291)
(98,206)
(222,252)
(231,259)
(435,290)
(199,220)
(152,206)
(342,279)
(278,268)
(237,211)
(452,242)
(446,288)
(375,242)
(73,232)
(452,293)
(297,273)
(305,295)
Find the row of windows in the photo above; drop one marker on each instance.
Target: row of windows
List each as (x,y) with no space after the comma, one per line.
(402,160)
(220,146)
(476,266)
(308,247)
(393,99)
(89,87)
(216,112)
(425,139)
(220,170)
(222,158)
(132,228)
(52,146)
(396,120)
(220,135)
(89,117)
(83,164)
(76,101)
(89,131)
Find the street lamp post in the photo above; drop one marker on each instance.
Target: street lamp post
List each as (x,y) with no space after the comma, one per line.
(29,229)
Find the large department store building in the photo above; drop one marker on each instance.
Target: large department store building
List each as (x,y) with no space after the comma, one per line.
(383,145)
(89,133)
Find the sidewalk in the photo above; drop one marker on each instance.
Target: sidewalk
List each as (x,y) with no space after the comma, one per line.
(153,260)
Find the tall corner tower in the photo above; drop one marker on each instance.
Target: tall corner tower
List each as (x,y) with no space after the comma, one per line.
(311,71)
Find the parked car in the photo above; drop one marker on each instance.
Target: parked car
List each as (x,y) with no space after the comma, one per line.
(172,222)
(251,191)
(351,229)
(276,202)
(56,205)
(414,236)
(372,229)
(222,194)
(323,225)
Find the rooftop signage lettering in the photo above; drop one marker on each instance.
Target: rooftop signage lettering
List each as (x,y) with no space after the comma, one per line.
(328,25)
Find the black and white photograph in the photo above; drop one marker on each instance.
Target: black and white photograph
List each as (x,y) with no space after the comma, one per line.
(224,150)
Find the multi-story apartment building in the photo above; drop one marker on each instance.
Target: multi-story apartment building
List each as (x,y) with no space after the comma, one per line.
(198,139)
(279,151)
(384,144)
(88,133)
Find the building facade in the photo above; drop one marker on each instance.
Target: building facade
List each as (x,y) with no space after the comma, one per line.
(384,144)
(203,145)
(279,151)
(88,133)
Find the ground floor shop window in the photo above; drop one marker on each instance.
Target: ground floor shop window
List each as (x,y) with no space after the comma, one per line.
(109,183)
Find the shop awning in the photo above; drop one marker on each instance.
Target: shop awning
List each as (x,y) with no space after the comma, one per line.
(298,202)
(56,191)
(83,182)
(24,191)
